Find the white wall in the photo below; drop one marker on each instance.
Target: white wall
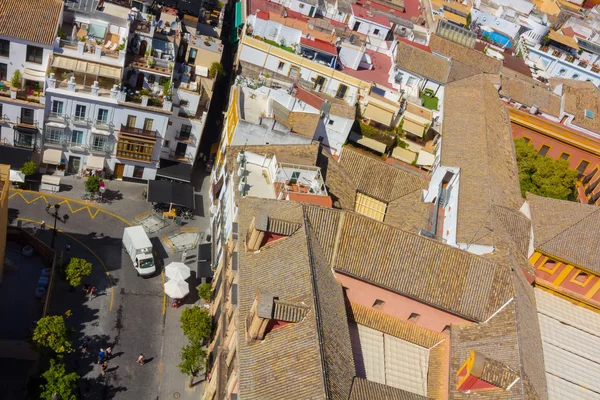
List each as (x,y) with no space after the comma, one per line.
(10,112)
(334,130)
(368,28)
(498,24)
(18,57)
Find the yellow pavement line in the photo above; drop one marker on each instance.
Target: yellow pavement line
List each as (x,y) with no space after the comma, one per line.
(88,249)
(67,201)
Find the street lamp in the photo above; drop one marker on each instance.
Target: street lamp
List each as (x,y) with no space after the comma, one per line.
(56,217)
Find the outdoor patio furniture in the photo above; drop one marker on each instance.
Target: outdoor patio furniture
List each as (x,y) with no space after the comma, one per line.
(108,44)
(114,47)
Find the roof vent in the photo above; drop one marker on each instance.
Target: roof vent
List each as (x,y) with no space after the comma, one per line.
(589,114)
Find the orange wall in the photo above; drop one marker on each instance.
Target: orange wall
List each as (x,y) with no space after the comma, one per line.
(396,305)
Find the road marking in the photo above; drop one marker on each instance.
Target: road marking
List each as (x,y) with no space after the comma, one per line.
(88,249)
(92,210)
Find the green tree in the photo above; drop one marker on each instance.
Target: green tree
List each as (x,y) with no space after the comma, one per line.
(468,23)
(92,184)
(193,359)
(15,81)
(58,382)
(544,176)
(215,70)
(77,269)
(196,324)
(205,291)
(52,332)
(29,168)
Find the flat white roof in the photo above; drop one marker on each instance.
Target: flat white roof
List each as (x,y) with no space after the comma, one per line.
(571,344)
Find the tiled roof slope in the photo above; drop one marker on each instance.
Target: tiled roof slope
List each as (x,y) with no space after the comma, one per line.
(567,230)
(515,225)
(422,63)
(414,266)
(464,55)
(578,97)
(363,389)
(477,139)
(311,358)
(33,20)
(303,154)
(511,339)
(530,92)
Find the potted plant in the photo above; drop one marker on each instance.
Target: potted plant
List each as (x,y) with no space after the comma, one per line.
(15,82)
(60,171)
(122,45)
(151,61)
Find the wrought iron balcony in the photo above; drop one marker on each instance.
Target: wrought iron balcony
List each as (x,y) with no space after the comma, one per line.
(127,130)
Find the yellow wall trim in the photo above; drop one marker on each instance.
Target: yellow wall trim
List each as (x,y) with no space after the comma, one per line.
(563,275)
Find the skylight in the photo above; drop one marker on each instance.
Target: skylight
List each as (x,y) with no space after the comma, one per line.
(589,113)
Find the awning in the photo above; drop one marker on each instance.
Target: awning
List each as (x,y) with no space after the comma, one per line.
(94,162)
(33,75)
(86,67)
(17,176)
(171,193)
(368,142)
(101,132)
(56,125)
(238,14)
(174,170)
(14,156)
(563,39)
(404,155)
(425,158)
(51,179)
(52,156)
(378,114)
(413,128)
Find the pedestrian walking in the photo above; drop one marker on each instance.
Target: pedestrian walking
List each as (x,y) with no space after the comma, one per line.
(183,256)
(104,367)
(92,291)
(101,356)
(108,351)
(43,226)
(86,288)
(140,359)
(68,248)
(84,348)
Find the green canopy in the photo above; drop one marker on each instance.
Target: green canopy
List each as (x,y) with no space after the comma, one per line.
(238,14)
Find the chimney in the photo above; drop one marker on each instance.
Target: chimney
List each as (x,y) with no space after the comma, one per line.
(256,232)
(260,315)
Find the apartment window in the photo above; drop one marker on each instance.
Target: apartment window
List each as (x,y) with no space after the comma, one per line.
(544,150)
(57,108)
(186,129)
(378,304)
(319,83)
(192,56)
(410,81)
(131,121)
(526,140)
(330,122)
(98,143)
(398,77)
(582,167)
(138,172)
(79,112)
(300,5)
(565,156)
(414,317)
(1,112)
(376,32)
(281,65)
(582,277)
(167,143)
(34,54)
(341,92)
(294,72)
(135,149)
(76,138)
(102,115)
(3,72)
(148,122)
(4,48)
(151,79)
(53,135)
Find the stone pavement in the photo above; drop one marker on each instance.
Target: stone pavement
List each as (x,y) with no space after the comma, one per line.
(129,312)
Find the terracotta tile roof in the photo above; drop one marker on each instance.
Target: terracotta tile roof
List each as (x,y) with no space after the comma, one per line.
(319,44)
(377,179)
(465,55)
(578,97)
(363,389)
(567,230)
(510,341)
(422,63)
(448,278)
(323,201)
(515,225)
(311,358)
(460,71)
(34,20)
(477,139)
(366,14)
(316,99)
(530,92)
(302,154)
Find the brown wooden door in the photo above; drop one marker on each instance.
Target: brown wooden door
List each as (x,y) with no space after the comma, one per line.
(119,170)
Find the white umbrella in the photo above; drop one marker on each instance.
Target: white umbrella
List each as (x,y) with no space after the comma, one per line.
(176,289)
(17,176)
(177,271)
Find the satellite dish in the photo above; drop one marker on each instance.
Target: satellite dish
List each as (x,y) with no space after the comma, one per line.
(160,24)
(173,26)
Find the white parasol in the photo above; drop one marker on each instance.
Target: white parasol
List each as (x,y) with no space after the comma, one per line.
(177,289)
(177,271)
(17,176)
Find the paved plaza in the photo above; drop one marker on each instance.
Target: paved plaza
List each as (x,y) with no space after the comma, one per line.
(129,312)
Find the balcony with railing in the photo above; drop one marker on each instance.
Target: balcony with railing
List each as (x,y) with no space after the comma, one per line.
(144,133)
(56,116)
(186,137)
(102,124)
(80,119)
(181,157)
